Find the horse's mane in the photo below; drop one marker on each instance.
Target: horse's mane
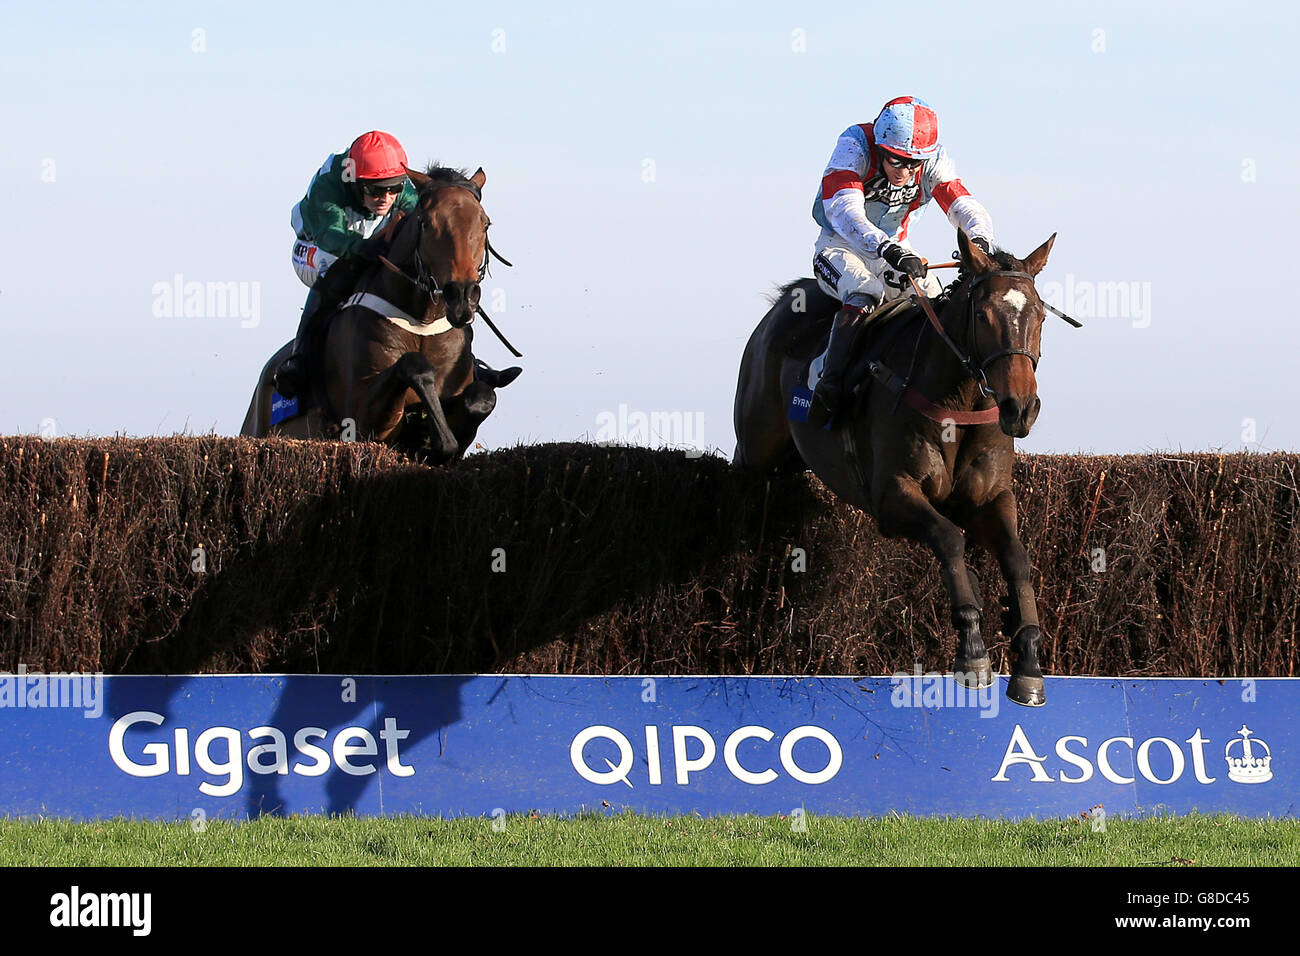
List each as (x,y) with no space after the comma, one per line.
(440,176)
(1001,258)
(1006,260)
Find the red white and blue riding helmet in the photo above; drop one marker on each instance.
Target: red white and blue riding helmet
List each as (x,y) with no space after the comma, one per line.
(378,158)
(908,127)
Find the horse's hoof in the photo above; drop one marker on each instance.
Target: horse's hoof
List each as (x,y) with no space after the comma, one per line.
(1027,691)
(495,378)
(973,673)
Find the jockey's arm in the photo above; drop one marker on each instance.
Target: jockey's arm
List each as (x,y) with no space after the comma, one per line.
(325,218)
(963,210)
(327,224)
(841,195)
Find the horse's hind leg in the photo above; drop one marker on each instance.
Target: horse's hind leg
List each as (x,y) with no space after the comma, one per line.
(904,509)
(994,527)
(768,454)
(257,423)
(252,426)
(763,439)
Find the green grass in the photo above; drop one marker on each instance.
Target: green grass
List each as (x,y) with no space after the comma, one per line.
(630,840)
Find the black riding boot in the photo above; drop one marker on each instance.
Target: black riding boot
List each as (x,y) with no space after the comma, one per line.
(291,377)
(338,282)
(828,394)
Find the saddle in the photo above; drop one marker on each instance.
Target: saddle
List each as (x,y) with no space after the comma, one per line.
(335,287)
(803,334)
(884,325)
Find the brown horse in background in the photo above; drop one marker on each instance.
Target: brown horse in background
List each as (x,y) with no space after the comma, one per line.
(934,481)
(415,390)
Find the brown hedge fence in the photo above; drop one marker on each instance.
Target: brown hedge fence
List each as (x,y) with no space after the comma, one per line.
(227,554)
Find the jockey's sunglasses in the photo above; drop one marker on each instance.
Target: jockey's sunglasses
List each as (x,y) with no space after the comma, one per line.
(381,190)
(899,162)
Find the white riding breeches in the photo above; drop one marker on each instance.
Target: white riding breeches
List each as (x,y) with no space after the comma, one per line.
(842,271)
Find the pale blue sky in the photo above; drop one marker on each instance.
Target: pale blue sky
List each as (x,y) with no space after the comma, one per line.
(1137,145)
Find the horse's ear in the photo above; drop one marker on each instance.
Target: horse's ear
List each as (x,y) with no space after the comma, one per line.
(973,259)
(479,178)
(418,178)
(1035,261)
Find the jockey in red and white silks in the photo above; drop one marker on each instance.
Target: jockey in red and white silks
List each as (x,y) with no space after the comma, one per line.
(879,178)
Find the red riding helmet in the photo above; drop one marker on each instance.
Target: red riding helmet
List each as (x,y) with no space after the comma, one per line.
(378,158)
(908,127)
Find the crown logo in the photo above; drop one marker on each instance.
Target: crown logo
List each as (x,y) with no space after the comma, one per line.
(1247,764)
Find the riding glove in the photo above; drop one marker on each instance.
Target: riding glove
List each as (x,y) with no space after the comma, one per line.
(904,260)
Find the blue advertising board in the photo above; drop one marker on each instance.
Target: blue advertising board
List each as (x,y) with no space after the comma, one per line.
(181,747)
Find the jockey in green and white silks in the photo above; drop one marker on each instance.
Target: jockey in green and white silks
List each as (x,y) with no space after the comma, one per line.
(348,200)
(352,196)
(880,176)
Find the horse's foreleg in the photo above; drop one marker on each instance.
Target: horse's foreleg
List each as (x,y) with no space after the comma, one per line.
(904,509)
(383,411)
(994,527)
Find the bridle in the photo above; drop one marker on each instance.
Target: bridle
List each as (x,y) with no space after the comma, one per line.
(905,391)
(971,360)
(424,279)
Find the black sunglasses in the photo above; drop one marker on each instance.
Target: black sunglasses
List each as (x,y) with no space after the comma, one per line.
(381,190)
(898,162)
